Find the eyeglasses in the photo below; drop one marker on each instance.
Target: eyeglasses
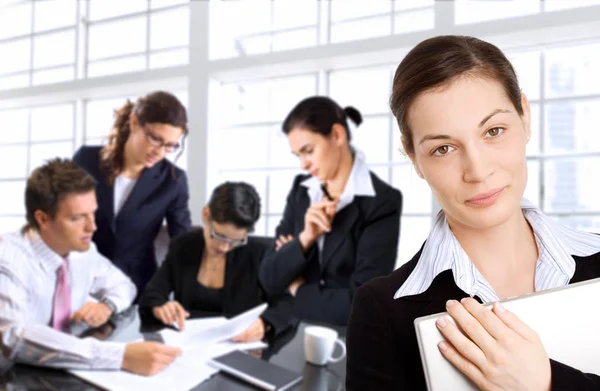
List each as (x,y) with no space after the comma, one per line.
(156,141)
(225,239)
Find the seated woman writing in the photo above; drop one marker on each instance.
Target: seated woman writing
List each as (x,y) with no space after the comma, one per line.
(465,125)
(214,271)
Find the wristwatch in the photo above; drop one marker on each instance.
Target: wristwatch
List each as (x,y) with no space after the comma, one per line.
(110,304)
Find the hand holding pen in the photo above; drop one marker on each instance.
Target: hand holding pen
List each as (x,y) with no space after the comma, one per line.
(318,219)
(172,314)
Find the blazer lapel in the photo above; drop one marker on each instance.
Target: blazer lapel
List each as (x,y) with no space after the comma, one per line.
(106,202)
(142,189)
(342,224)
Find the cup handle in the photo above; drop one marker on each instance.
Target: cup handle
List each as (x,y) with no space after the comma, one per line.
(343,346)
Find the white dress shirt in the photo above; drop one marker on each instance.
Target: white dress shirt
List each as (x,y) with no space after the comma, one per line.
(28,271)
(359,184)
(555,265)
(122,190)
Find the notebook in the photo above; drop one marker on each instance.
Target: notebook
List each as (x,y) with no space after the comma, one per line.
(565,318)
(258,372)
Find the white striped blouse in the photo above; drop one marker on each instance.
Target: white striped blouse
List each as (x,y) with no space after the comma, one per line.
(28,270)
(555,266)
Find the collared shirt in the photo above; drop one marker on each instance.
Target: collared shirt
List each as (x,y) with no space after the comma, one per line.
(28,272)
(359,184)
(555,265)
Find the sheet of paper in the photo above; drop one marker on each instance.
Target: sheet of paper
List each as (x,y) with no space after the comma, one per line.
(186,372)
(204,332)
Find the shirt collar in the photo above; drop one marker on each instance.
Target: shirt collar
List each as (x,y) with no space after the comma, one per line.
(556,246)
(49,259)
(359,183)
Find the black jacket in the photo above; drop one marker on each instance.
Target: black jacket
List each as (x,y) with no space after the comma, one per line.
(383,352)
(128,239)
(362,244)
(241,291)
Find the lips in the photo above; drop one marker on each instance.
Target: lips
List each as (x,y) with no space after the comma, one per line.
(486,199)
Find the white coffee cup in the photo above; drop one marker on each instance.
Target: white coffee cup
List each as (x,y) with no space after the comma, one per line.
(319,343)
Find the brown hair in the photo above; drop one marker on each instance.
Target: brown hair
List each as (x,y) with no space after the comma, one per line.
(318,114)
(50,183)
(156,107)
(439,61)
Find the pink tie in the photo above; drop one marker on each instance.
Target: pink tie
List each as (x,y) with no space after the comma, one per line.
(62,299)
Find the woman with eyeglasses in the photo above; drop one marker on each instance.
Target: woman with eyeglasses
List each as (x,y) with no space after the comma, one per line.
(214,271)
(137,187)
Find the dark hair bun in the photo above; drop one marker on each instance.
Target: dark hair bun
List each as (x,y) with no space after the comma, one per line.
(353,114)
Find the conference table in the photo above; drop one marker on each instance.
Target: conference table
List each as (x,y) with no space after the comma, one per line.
(285,350)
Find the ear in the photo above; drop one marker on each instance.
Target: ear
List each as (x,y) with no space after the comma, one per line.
(41,218)
(338,134)
(411,156)
(526,118)
(134,124)
(205,214)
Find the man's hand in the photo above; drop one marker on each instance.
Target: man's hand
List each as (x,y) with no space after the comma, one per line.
(148,358)
(94,314)
(255,332)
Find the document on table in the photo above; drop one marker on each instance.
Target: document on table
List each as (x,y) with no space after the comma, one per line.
(201,340)
(185,373)
(202,332)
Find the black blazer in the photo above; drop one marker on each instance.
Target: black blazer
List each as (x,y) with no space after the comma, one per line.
(383,352)
(128,239)
(362,244)
(241,291)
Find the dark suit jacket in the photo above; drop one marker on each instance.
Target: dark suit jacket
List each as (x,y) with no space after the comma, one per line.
(128,239)
(383,352)
(362,245)
(241,291)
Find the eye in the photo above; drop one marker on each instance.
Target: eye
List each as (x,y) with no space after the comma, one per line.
(443,150)
(495,132)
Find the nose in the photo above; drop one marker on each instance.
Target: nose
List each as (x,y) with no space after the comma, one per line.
(477,163)
(91,224)
(304,163)
(224,247)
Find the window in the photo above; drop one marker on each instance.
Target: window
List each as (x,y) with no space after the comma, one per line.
(35,49)
(249,128)
(35,135)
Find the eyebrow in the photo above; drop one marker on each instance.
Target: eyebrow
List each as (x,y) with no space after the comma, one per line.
(303,149)
(446,137)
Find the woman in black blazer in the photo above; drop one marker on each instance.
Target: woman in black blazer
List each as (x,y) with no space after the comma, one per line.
(137,187)
(465,125)
(341,223)
(214,271)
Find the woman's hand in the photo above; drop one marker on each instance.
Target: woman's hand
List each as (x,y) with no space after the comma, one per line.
(499,351)
(171,312)
(317,221)
(255,332)
(281,240)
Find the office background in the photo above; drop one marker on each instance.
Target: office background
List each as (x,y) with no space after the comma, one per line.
(240,66)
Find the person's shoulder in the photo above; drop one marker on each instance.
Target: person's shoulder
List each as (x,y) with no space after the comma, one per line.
(16,252)
(298,179)
(383,189)
(259,244)
(88,151)
(384,287)
(186,240)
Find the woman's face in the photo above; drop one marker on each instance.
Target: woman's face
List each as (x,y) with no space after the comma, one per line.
(220,238)
(319,155)
(469,145)
(153,141)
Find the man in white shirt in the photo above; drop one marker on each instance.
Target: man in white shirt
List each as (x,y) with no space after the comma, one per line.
(48,272)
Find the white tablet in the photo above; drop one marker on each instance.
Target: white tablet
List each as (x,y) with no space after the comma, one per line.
(567,320)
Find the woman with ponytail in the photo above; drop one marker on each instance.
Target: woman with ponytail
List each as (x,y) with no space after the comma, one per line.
(341,223)
(137,187)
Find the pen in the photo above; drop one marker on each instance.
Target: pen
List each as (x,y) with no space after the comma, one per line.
(326,192)
(176,326)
